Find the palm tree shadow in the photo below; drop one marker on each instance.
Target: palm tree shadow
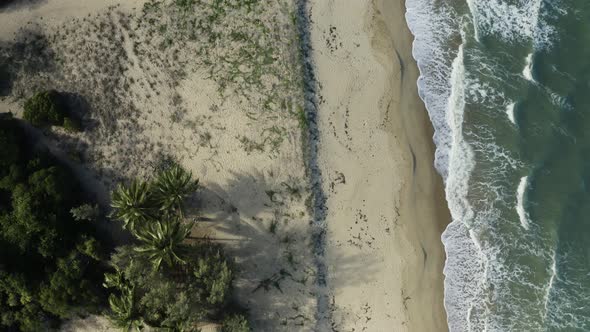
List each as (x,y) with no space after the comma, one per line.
(264,224)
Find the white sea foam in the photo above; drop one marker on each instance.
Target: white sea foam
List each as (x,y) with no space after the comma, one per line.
(523,216)
(441,86)
(550,284)
(527,72)
(513,21)
(433,25)
(510,112)
(476,269)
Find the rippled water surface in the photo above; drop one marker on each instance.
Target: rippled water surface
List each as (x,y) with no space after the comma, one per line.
(507,87)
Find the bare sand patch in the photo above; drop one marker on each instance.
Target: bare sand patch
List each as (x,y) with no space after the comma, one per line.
(385,203)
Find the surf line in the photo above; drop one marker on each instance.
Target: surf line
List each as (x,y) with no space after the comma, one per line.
(523,215)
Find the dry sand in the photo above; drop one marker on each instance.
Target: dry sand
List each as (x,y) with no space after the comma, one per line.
(229,110)
(386,208)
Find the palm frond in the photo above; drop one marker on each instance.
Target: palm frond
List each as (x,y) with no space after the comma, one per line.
(124,312)
(173,186)
(132,204)
(161,241)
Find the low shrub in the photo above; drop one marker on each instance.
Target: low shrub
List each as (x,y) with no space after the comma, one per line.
(71,125)
(235,323)
(44,109)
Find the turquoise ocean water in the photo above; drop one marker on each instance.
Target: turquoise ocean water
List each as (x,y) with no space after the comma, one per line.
(507,87)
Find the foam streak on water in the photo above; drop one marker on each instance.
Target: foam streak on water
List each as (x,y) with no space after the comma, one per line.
(550,285)
(510,112)
(464,257)
(522,214)
(527,72)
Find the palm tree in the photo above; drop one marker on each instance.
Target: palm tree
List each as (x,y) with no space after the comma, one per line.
(132,204)
(172,186)
(161,241)
(124,312)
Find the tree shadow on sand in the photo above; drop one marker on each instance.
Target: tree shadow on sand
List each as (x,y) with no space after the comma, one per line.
(94,189)
(265,225)
(29,54)
(14,5)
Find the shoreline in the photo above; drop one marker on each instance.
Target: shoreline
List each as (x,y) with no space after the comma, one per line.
(386,208)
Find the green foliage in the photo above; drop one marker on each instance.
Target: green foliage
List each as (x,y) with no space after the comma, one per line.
(44,109)
(179,296)
(132,204)
(141,201)
(235,323)
(90,247)
(38,217)
(162,301)
(67,292)
(195,280)
(172,186)
(71,125)
(85,212)
(213,273)
(123,302)
(49,263)
(161,241)
(124,312)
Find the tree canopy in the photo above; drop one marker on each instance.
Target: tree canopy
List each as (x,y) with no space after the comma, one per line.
(49,263)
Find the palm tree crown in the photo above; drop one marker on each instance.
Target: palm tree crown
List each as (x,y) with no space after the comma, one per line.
(172,186)
(161,241)
(132,204)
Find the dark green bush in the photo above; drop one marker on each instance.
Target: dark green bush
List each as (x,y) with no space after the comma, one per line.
(71,125)
(44,109)
(235,323)
(49,263)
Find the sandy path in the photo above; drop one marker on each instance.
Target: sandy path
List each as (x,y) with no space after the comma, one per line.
(385,202)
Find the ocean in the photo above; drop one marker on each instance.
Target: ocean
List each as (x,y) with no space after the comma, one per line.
(507,87)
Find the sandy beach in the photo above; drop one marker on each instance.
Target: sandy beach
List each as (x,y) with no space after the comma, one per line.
(385,202)
(235,119)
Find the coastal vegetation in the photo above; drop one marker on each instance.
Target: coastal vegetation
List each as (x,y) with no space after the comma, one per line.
(53,263)
(110,90)
(162,280)
(46,108)
(50,263)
